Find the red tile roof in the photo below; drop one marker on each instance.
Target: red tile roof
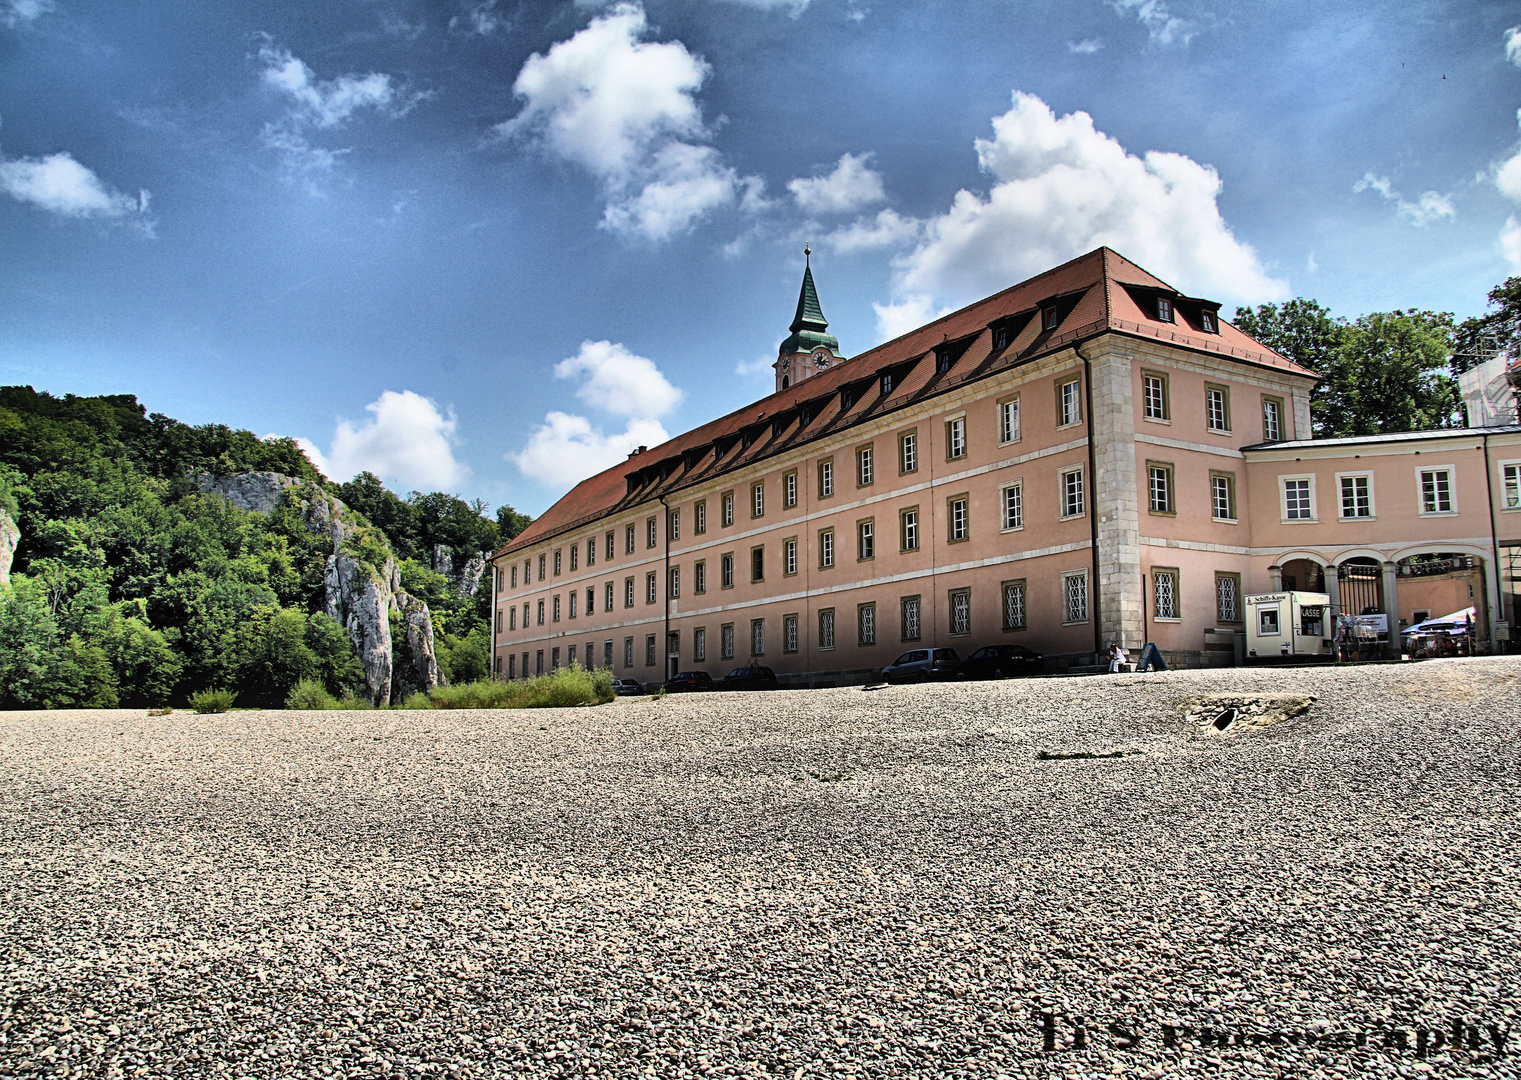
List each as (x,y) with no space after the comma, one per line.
(1084,309)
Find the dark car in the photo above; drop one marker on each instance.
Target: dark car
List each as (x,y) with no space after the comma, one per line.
(922,665)
(687,682)
(754,677)
(1001,662)
(627,687)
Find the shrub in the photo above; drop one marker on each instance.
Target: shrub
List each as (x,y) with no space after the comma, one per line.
(211,701)
(311,695)
(566,687)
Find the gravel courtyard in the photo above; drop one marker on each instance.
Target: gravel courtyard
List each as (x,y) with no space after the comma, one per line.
(845,882)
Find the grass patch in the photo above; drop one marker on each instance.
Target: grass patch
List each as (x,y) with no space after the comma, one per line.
(1046,755)
(212,701)
(568,686)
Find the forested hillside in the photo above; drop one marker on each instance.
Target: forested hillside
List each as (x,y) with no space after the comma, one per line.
(133,586)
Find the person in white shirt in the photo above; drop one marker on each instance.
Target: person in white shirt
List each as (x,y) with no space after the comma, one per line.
(1117,657)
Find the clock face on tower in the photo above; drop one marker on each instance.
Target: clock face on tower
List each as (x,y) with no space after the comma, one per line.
(821,358)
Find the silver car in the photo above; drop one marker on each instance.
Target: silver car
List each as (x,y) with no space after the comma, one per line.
(922,665)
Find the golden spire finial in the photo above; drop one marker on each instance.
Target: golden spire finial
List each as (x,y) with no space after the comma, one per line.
(807,252)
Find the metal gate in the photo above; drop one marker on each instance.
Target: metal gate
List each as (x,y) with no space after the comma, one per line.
(1361,588)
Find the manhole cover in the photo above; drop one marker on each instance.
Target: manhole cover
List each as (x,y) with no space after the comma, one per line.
(1231,713)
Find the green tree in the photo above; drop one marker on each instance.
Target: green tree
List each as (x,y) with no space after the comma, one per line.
(1496,332)
(509,523)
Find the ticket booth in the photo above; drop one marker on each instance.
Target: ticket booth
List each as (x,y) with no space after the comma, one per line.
(1288,624)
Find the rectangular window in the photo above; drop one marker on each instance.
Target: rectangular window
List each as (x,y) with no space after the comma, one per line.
(609,550)
(675,582)
(863,466)
(1207,322)
(1159,487)
(1073,503)
(1164,309)
(1296,501)
(1222,496)
(554,659)
(557,607)
(628,540)
(607,655)
(499,620)
(1154,396)
(512,618)
(758,500)
(826,628)
(1164,592)
(1267,621)
(908,452)
(700,577)
(514,575)
(700,644)
(591,551)
(908,529)
(1014,605)
(1511,482)
(726,571)
(956,515)
(826,478)
(961,612)
(512,666)
(909,610)
(726,508)
(570,656)
(789,557)
(557,562)
(572,605)
(541,567)
(826,548)
(628,592)
(628,652)
(1228,598)
(650,538)
(789,489)
(649,650)
(866,539)
(1356,497)
(649,588)
(607,599)
(726,641)
(1217,408)
(1048,318)
(1008,420)
(674,525)
(1075,596)
(1012,506)
(591,599)
(525,615)
(955,438)
(757,637)
(575,556)
(789,633)
(1436,491)
(1272,419)
(757,564)
(866,624)
(538,662)
(539,614)
(700,517)
(1069,398)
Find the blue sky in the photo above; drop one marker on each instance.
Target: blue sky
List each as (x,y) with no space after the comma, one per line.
(487,246)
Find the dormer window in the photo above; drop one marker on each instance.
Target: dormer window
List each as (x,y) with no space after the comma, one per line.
(887,384)
(1048,318)
(847,399)
(943,361)
(1164,309)
(1001,338)
(1207,322)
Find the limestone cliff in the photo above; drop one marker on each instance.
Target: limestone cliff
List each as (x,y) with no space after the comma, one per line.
(10,536)
(361,586)
(467,580)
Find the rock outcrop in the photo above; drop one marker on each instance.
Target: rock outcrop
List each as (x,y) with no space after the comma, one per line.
(467,580)
(10,536)
(358,594)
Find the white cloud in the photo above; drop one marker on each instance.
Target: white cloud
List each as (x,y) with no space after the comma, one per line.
(15,12)
(756,366)
(850,187)
(1062,188)
(624,109)
(793,7)
(565,450)
(1513,45)
(1510,242)
(887,229)
(61,185)
(1086,47)
(1311,264)
(1161,24)
(907,314)
(408,440)
(1429,206)
(617,381)
(479,18)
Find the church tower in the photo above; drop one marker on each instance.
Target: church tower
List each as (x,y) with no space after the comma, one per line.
(809,350)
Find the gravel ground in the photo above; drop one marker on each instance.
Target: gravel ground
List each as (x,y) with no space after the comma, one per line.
(805,883)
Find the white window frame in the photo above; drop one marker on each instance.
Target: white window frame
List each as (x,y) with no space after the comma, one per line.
(726,508)
(866,540)
(866,623)
(1163,414)
(700,517)
(1283,499)
(958,514)
(1272,432)
(955,438)
(909,611)
(1452,490)
(826,629)
(726,641)
(908,452)
(1510,485)
(826,478)
(1008,421)
(1211,392)
(1068,618)
(1341,499)
(1164,471)
(607,604)
(1070,407)
(1062,493)
(700,644)
(758,500)
(865,467)
(757,637)
(826,548)
(1010,590)
(1231,495)
(1170,592)
(1011,506)
(789,557)
(789,633)
(909,527)
(789,489)
(959,617)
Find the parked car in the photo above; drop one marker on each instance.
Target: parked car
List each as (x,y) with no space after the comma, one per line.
(1001,662)
(687,682)
(922,665)
(753,677)
(627,687)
